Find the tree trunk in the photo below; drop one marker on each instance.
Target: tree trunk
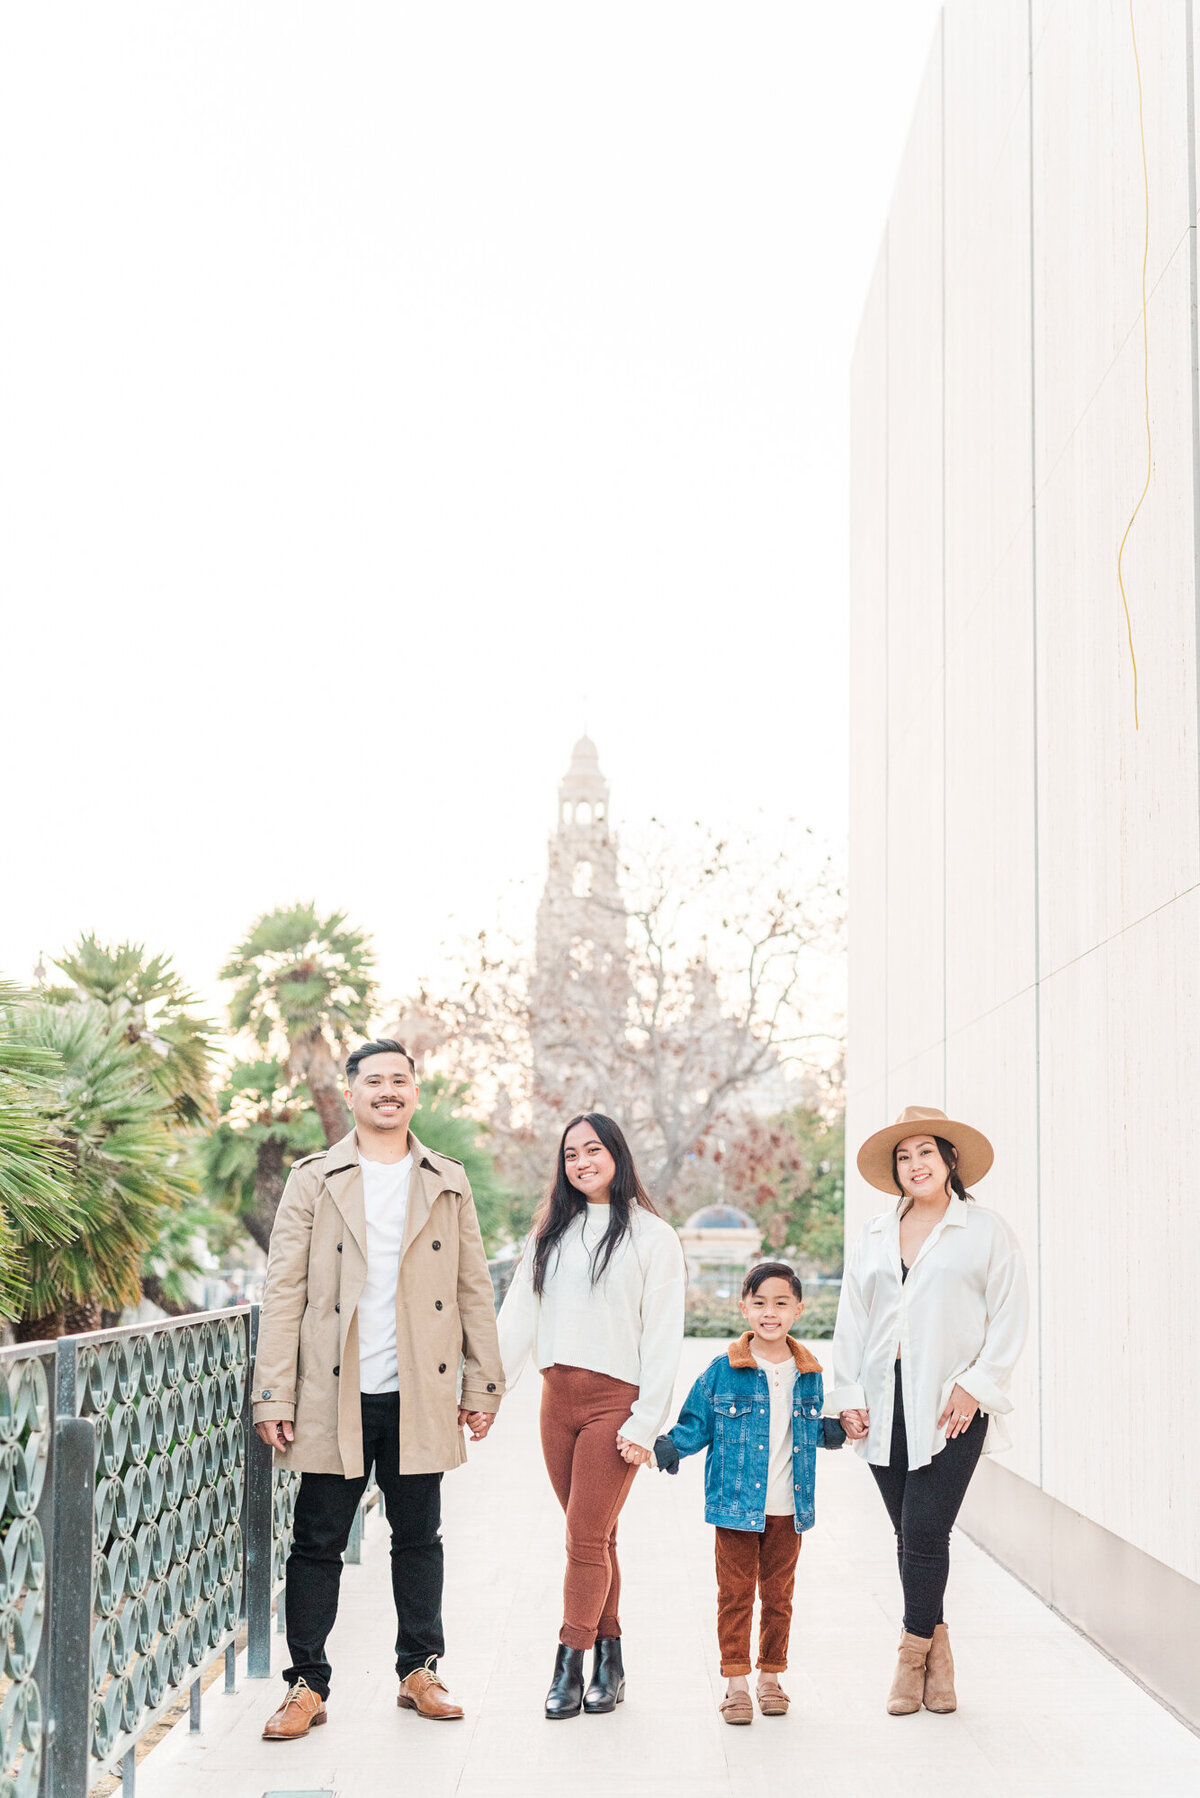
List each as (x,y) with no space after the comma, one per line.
(152,1289)
(310,1060)
(79,1319)
(39,1329)
(268,1190)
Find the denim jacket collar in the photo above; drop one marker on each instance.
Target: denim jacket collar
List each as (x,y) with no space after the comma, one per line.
(741,1354)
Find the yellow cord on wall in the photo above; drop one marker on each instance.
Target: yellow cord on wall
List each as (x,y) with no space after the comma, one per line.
(1145,367)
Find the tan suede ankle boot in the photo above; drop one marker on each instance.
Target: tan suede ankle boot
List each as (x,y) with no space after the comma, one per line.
(908,1681)
(939,1673)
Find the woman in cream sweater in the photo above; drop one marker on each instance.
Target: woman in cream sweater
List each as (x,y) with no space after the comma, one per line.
(597,1300)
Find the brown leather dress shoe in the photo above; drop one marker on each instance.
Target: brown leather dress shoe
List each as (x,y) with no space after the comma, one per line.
(424,1693)
(300,1711)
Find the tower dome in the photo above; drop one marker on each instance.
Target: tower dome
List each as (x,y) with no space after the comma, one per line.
(583,790)
(585,757)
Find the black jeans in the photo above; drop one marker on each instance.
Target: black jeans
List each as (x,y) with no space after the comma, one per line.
(923,1505)
(325,1507)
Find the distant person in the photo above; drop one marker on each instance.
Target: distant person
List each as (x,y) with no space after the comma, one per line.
(932,1318)
(597,1299)
(757,1410)
(377,1288)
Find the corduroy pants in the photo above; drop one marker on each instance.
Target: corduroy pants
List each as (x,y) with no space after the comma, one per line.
(747,1559)
(581,1414)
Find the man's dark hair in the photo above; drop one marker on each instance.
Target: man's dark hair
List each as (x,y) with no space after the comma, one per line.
(385,1046)
(772,1270)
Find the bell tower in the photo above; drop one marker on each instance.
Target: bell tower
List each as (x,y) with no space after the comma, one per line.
(580,980)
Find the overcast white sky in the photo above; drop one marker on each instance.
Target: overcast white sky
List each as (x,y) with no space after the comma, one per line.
(389,388)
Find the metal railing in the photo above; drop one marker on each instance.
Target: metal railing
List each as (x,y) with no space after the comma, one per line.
(141,1524)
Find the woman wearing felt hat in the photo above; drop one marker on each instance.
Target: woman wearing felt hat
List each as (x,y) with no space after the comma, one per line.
(932,1317)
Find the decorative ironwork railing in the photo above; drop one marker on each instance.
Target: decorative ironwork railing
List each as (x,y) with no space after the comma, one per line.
(141,1527)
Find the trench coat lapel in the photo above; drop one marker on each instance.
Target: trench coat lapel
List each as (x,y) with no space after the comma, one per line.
(343,1177)
(427,1184)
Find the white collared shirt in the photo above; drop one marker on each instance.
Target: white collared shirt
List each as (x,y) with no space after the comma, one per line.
(960,1318)
(385,1202)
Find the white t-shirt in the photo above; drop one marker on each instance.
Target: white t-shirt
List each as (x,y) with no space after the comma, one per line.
(781,1378)
(385,1197)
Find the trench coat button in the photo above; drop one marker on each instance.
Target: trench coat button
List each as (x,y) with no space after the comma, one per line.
(437,1245)
(441,1367)
(491,1385)
(266,1394)
(437,1304)
(337,1370)
(337,1307)
(339,1248)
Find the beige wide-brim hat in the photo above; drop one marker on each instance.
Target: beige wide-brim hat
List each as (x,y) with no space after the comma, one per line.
(975,1154)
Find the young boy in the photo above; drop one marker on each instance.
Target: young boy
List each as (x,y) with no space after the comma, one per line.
(757,1410)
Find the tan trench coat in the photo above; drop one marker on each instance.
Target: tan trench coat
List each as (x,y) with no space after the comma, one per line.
(306,1364)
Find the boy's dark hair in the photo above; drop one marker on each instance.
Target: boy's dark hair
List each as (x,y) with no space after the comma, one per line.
(385,1046)
(772,1270)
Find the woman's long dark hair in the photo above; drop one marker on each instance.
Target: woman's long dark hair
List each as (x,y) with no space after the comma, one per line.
(565,1202)
(949,1155)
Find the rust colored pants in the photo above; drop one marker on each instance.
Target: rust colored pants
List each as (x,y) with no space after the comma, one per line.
(581,1415)
(745,1560)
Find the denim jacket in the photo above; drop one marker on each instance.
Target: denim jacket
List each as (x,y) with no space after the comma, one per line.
(728,1412)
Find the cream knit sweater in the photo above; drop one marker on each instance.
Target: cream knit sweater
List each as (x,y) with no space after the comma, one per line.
(629,1325)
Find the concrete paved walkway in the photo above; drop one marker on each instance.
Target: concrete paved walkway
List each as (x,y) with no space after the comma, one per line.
(1043,1714)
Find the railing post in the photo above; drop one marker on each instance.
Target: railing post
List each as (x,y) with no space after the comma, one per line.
(66,1388)
(353,1554)
(257,1531)
(70,1698)
(41,1671)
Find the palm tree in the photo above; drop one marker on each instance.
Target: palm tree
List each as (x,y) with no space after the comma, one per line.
(112,1133)
(264,1124)
(36,1204)
(147,1001)
(305,982)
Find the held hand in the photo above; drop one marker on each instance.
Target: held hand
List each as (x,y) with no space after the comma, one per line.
(478,1422)
(276,1434)
(959,1413)
(856,1424)
(631,1453)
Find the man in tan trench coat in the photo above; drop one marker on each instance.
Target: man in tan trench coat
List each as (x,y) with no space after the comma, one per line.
(377,1289)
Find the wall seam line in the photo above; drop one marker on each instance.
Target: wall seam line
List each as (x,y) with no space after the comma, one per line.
(1037,899)
(1194,327)
(887,685)
(945,744)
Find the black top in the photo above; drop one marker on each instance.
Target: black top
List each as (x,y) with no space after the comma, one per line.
(905,1270)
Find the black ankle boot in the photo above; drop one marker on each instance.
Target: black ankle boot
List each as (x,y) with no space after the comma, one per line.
(608,1676)
(565,1697)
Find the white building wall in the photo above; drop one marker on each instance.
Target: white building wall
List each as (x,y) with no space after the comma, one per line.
(1025,865)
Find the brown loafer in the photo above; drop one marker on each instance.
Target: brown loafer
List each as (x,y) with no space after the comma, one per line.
(300,1711)
(424,1692)
(736,1707)
(773,1701)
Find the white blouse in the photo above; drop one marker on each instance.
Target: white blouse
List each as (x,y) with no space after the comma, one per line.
(959,1318)
(628,1325)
